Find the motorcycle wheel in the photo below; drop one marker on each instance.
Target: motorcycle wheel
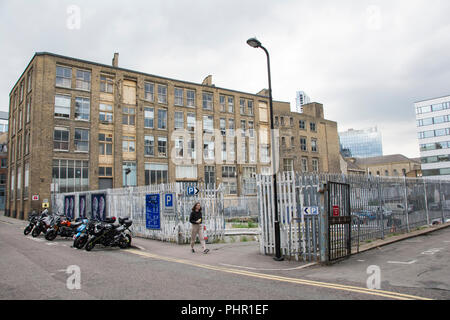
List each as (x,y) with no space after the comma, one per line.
(36,232)
(125,242)
(90,245)
(50,235)
(79,242)
(27,230)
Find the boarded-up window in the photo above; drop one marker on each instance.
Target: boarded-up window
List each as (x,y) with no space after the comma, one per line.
(263,114)
(129,92)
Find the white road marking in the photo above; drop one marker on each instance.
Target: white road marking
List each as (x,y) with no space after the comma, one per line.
(361,260)
(261,269)
(399,262)
(432,251)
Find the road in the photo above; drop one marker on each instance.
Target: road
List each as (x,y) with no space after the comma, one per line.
(33,268)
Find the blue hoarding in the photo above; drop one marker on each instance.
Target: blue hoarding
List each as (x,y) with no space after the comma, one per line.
(152,211)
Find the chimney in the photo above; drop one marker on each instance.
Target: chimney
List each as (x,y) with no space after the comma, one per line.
(208,81)
(115,61)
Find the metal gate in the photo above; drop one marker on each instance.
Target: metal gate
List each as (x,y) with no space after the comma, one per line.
(339,221)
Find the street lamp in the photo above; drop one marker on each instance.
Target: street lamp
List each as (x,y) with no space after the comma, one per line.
(255,43)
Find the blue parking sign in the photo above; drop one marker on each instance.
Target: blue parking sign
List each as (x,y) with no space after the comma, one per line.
(168,200)
(152,212)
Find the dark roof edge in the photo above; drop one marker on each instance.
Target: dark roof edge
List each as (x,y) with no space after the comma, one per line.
(432,99)
(143,73)
(29,63)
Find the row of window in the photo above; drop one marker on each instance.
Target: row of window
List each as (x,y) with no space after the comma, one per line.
(434,133)
(435,146)
(395,173)
(18,193)
(301,123)
(21,117)
(435,159)
(83,82)
(433,120)
(18,149)
(303,144)
(288,164)
(433,108)
(21,96)
(436,172)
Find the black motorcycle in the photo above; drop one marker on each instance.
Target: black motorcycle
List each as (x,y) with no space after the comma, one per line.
(126,223)
(63,227)
(109,234)
(33,218)
(43,223)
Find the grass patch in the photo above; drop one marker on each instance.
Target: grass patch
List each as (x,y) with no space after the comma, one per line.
(248,225)
(244,239)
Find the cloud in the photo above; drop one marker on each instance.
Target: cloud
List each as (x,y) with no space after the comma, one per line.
(366,61)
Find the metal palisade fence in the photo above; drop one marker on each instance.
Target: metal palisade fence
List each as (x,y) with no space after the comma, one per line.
(132,202)
(380,207)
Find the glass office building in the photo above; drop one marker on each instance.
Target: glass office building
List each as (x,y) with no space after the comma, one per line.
(433,132)
(364,143)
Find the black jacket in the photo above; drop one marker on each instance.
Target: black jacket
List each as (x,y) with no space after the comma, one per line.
(195,216)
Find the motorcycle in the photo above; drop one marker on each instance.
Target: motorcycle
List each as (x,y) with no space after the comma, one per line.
(62,226)
(43,223)
(126,222)
(33,218)
(82,235)
(108,234)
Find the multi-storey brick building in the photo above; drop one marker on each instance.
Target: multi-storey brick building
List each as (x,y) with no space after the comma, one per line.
(77,125)
(308,142)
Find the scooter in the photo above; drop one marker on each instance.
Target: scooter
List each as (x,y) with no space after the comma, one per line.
(82,235)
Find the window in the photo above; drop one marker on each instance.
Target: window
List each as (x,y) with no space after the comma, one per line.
(223,126)
(149,91)
(304,164)
(4,163)
(282,121)
(315,165)
(128,144)
(83,80)
(223,106)
(230,127)
(276,121)
(228,172)
(242,105)
(230,187)
(243,128)
(179,120)
(82,108)
(251,129)
(26,183)
(301,124)
(149,117)
(105,144)
(291,122)
(250,107)
(106,84)
(191,122)
(162,147)
(106,113)
(243,152)
(190,98)
(61,139)
(264,153)
(162,119)
(29,80)
(20,119)
(252,152)
(288,165)
(186,172)
(207,101)
(312,126)
(28,117)
(292,142)
(149,146)
(62,106)
(224,151)
(156,173)
(179,147)
(81,140)
(303,146)
(386,173)
(130,178)
(21,91)
(63,77)
(283,142)
(162,94)
(208,150)
(230,104)
(232,148)
(210,175)
(179,97)
(105,172)
(128,116)
(71,175)
(19,182)
(2,178)
(208,125)
(191,149)
(314,145)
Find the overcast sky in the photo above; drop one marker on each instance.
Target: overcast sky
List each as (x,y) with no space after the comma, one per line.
(366,61)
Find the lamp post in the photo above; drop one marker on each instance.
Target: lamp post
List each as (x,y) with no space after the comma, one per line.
(255,43)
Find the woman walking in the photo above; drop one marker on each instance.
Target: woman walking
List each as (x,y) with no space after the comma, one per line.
(196,220)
